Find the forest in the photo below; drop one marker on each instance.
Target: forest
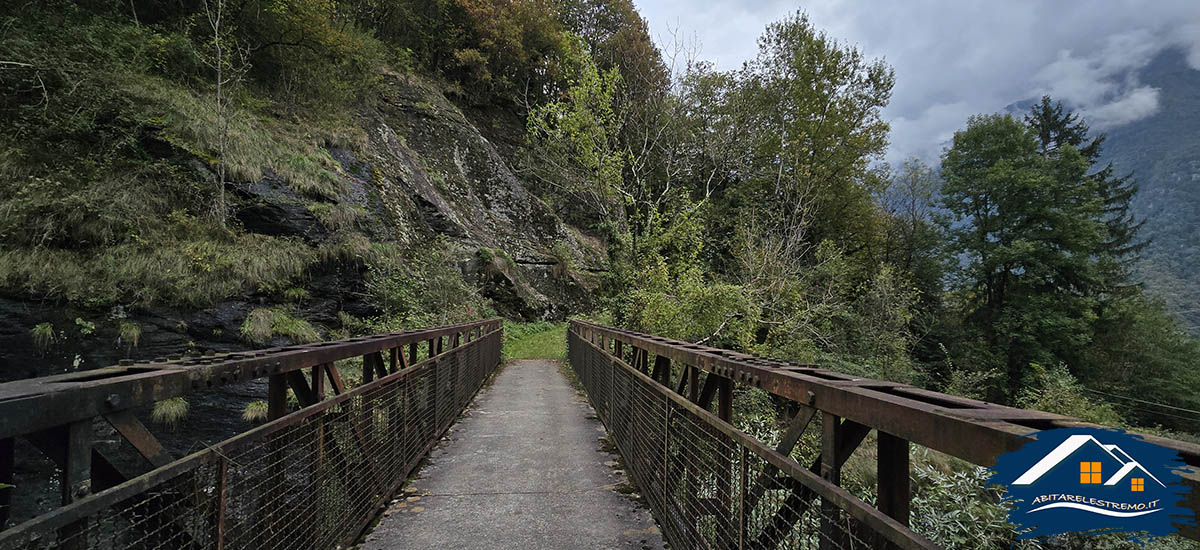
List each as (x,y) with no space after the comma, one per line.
(748,209)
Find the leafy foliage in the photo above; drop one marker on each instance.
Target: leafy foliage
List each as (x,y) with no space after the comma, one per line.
(1028,225)
(421,288)
(577,137)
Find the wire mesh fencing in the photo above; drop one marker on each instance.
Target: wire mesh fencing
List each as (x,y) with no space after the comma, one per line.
(309,480)
(712,486)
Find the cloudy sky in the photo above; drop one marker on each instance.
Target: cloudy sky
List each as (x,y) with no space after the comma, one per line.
(955,58)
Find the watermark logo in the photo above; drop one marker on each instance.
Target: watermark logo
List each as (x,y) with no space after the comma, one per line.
(1074,480)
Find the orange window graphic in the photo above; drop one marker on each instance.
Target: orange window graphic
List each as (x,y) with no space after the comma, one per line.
(1139,484)
(1089,472)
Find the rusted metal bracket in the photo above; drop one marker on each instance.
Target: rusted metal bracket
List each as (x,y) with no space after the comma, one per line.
(299,384)
(662,370)
(137,435)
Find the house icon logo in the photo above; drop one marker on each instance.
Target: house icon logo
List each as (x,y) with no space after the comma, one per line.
(1093,479)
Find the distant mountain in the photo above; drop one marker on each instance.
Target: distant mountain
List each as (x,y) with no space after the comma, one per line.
(1163,152)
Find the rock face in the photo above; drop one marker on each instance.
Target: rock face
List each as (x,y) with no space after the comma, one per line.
(426,172)
(438,175)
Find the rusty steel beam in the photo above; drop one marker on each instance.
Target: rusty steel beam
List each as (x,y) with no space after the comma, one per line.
(893,494)
(37,404)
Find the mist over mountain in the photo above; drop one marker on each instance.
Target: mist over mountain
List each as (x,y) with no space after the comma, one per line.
(1163,153)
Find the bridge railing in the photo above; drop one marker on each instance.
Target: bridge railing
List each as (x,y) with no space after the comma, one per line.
(313,478)
(668,406)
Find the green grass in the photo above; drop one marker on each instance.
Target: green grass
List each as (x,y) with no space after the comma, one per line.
(43,336)
(536,340)
(265,323)
(129,333)
(170,412)
(255,412)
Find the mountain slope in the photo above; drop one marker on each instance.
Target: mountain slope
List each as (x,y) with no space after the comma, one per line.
(1163,152)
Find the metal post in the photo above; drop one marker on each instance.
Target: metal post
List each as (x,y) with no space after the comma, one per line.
(76,478)
(893,473)
(831,470)
(725,399)
(221,503)
(318,382)
(277,388)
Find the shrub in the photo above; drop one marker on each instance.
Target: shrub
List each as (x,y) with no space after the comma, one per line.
(954,507)
(422,287)
(562,256)
(296,294)
(1054,390)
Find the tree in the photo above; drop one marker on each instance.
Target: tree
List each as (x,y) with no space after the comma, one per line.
(1056,128)
(1024,222)
(575,142)
(808,113)
(227,73)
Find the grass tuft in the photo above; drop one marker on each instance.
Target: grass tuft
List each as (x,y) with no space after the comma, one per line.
(265,323)
(255,412)
(43,336)
(337,216)
(129,333)
(170,412)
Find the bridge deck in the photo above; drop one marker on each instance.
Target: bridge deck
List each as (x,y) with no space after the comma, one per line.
(523,468)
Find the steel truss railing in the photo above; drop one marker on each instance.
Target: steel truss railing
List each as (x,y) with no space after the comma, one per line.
(668,406)
(712,486)
(313,478)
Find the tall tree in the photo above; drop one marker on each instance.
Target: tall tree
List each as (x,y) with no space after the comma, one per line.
(809,113)
(1025,220)
(1057,127)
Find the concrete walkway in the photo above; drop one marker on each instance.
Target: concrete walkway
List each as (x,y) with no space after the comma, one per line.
(523,469)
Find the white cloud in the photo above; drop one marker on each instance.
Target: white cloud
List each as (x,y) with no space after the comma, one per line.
(1188,36)
(1104,85)
(1135,104)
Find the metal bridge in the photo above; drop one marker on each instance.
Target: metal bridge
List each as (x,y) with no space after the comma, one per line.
(320,471)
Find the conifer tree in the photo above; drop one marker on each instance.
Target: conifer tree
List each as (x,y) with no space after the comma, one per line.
(1055,127)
